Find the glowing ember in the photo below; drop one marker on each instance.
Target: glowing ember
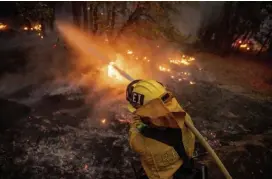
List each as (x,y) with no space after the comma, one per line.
(243,46)
(192,83)
(103,121)
(191,59)
(162,68)
(184,62)
(248,48)
(3,26)
(37,27)
(41,37)
(31,28)
(129,52)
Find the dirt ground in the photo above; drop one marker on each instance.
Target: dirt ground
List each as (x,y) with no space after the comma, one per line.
(55,135)
(247,74)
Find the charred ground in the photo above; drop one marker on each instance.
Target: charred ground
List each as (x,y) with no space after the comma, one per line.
(48,129)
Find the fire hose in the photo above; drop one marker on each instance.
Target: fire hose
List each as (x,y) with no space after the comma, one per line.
(209,149)
(201,139)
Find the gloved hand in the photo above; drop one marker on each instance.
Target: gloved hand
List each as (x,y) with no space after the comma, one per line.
(140,126)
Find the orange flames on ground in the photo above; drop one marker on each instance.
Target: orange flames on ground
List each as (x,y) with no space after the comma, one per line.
(183,61)
(3,26)
(94,53)
(164,68)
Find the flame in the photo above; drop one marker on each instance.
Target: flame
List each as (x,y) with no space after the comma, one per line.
(164,69)
(37,27)
(243,46)
(191,59)
(103,121)
(183,61)
(25,28)
(129,52)
(3,26)
(192,83)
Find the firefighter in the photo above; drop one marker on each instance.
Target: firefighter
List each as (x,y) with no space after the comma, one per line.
(165,153)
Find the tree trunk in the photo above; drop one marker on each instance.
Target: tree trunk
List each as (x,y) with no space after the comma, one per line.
(265,42)
(85,16)
(43,27)
(111,21)
(76,13)
(90,10)
(131,20)
(226,37)
(52,19)
(95,19)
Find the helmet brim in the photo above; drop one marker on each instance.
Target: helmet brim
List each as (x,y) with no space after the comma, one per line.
(174,106)
(131,108)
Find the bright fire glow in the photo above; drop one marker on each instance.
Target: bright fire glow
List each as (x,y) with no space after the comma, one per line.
(3,26)
(37,27)
(192,83)
(103,121)
(25,28)
(185,60)
(113,73)
(243,46)
(129,52)
(163,68)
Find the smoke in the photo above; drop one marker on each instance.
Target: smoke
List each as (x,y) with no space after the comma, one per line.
(194,16)
(83,65)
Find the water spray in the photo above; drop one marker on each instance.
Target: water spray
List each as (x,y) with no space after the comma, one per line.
(88,48)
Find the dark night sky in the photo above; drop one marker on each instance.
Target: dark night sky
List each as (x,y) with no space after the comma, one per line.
(7,9)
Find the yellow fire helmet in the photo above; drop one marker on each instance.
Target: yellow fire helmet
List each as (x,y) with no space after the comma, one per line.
(140,92)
